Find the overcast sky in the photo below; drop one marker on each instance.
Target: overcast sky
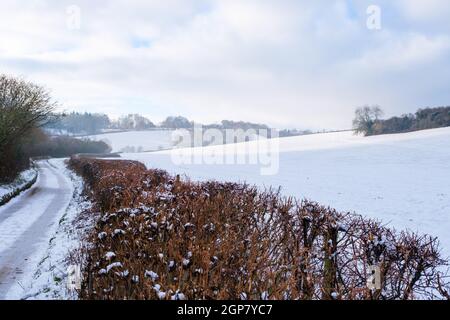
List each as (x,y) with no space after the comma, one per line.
(288,63)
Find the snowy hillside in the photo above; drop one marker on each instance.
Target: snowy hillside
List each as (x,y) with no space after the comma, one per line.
(145,141)
(402,179)
(136,141)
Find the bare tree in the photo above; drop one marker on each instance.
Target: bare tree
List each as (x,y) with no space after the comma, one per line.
(23,107)
(365,119)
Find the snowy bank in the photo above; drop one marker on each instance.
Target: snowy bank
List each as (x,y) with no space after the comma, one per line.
(24,181)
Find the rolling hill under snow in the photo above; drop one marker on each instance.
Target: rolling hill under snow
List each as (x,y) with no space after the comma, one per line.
(136,141)
(402,179)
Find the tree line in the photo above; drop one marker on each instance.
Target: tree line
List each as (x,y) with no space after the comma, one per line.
(24,109)
(368,120)
(76,123)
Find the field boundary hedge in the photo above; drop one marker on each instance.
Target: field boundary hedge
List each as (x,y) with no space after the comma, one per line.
(163,237)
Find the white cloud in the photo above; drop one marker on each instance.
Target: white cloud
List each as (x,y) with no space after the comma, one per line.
(407,52)
(287,63)
(425,10)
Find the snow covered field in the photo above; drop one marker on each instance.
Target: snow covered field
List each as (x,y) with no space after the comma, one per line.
(402,179)
(136,141)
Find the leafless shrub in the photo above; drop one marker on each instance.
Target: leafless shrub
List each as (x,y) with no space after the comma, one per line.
(160,237)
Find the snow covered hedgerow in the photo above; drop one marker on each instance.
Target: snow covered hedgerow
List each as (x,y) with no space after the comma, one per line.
(184,240)
(23,182)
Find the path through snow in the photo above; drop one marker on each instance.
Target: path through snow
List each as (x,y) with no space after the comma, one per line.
(26,224)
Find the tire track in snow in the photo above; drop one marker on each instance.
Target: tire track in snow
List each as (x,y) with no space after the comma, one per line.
(25,222)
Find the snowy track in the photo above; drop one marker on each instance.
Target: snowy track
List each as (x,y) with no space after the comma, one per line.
(26,224)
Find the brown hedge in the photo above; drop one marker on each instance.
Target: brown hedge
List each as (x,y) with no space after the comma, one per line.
(162,237)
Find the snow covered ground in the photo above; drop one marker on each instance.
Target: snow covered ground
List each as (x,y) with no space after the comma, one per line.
(401,179)
(36,234)
(136,141)
(50,277)
(24,178)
